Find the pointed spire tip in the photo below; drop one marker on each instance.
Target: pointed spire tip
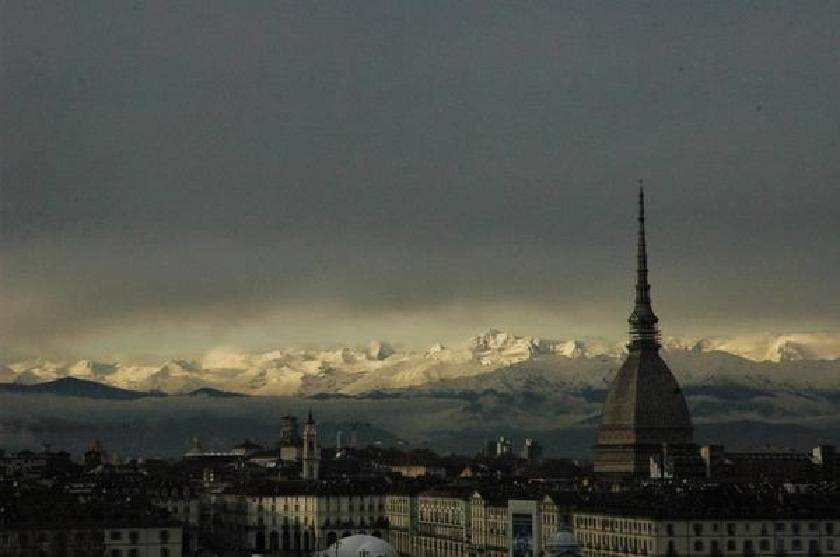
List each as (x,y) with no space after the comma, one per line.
(643,329)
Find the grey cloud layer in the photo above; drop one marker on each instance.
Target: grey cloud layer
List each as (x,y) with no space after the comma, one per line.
(209,163)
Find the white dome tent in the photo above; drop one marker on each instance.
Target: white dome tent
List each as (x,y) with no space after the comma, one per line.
(562,543)
(358,546)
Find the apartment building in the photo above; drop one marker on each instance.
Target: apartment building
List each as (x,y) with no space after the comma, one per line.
(640,533)
(85,538)
(489,525)
(297,515)
(401,515)
(443,522)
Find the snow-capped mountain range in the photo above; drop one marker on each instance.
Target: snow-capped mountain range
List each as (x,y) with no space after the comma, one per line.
(770,359)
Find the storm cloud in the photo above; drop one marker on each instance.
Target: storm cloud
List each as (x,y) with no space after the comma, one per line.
(176,176)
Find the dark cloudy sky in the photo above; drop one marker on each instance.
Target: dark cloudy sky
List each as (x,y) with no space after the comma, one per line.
(179,175)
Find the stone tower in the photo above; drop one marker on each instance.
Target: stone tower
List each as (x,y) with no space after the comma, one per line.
(311,453)
(645,409)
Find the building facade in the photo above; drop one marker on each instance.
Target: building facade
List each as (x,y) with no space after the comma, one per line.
(624,535)
(297,516)
(443,522)
(819,464)
(125,540)
(489,526)
(556,515)
(401,516)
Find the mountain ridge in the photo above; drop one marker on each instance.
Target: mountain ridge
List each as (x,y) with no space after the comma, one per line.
(796,361)
(72,386)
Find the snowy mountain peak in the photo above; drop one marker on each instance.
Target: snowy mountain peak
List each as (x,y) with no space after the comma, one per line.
(379,366)
(180,367)
(379,350)
(497,347)
(572,349)
(91,368)
(765,347)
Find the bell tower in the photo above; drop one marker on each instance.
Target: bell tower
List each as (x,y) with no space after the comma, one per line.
(311,452)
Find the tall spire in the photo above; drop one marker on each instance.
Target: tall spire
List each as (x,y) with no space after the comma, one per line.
(643,330)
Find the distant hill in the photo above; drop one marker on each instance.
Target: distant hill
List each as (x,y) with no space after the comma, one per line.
(217,393)
(71,386)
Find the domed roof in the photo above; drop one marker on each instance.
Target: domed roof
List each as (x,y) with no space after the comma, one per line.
(645,404)
(358,545)
(562,541)
(645,394)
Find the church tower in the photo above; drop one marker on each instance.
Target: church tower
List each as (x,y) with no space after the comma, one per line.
(645,410)
(311,453)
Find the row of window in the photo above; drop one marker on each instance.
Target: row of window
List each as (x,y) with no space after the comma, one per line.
(731,528)
(134,536)
(327,500)
(78,538)
(164,552)
(614,524)
(635,545)
(93,537)
(286,523)
(763,545)
(371,507)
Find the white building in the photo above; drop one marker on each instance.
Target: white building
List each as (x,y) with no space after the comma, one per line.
(359,546)
(300,516)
